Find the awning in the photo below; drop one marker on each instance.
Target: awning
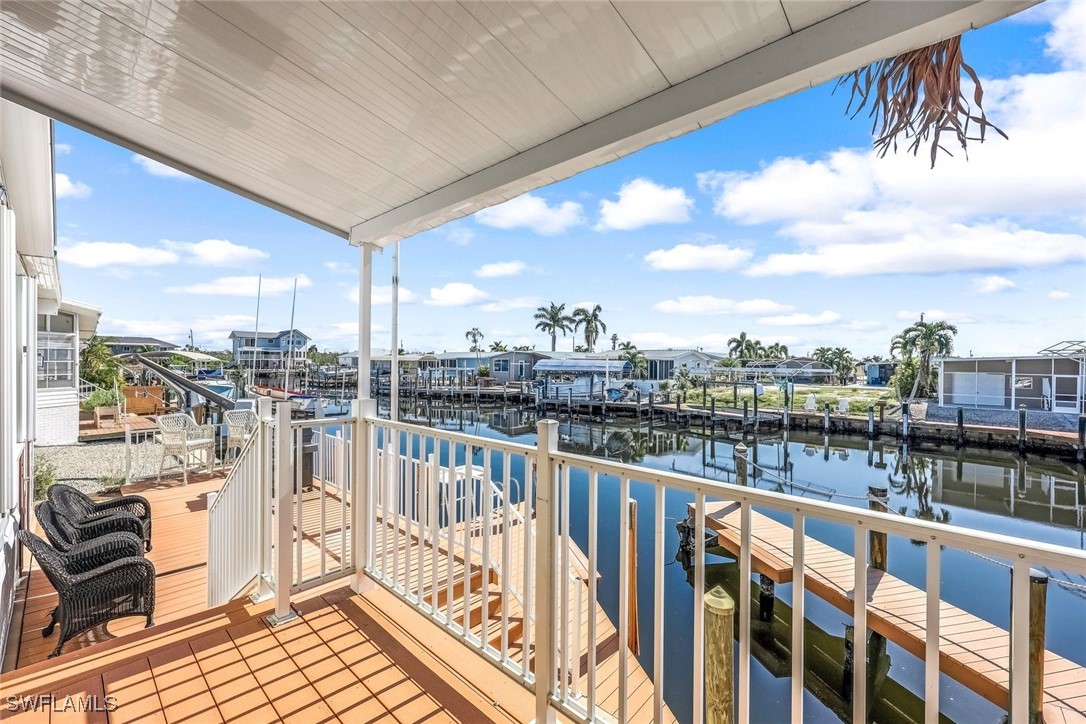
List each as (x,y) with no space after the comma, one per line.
(583,366)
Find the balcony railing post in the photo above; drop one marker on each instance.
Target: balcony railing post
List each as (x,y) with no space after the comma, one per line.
(545,568)
(362,514)
(283,522)
(262,445)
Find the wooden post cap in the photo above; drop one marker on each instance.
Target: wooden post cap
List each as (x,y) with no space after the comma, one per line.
(741,449)
(719,602)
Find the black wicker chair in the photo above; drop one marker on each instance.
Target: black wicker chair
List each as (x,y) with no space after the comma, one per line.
(88,598)
(63,533)
(79,508)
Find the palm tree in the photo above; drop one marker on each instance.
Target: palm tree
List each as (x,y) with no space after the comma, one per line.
(614,341)
(627,346)
(522,348)
(736,345)
(98,365)
(475,336)
(925,340)
(777,351)
(553,319)
(638,363)
(755,349)
(498,346)
(589,320)
(823,354)
(840,359)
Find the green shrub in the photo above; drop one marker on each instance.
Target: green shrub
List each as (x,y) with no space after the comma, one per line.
(99,398)
(45,474)
(484,371)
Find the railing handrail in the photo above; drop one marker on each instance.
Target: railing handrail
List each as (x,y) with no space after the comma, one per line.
(234,471)
(322,421)
(996,544)
(509,447)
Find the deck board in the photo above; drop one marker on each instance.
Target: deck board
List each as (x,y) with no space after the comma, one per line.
(972,651)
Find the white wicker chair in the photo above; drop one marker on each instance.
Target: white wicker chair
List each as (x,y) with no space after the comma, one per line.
(240,425)
(182,438)
(842,405)
(810,405)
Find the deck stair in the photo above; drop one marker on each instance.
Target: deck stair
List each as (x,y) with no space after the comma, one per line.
(973,652)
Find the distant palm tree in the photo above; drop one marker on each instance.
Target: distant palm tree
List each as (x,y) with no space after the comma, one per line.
(498,346)
(589,321)
(638,363)
(523,348)
(614,341)
(475,336)
(777,351)
(627,346)
(736,345)
(840,359)
(925,340)
(553,319)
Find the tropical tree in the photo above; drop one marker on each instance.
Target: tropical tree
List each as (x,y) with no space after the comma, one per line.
(98,365)
(522,348)
(553,319)
(589,321)
(498,346)
(614,341)
(823,355)
(776,351)
(736,345)
(840,359)
(627,346)
(638,363)
(924,340)
(579,348)
(475,337)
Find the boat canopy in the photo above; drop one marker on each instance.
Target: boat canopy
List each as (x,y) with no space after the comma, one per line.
(585,366)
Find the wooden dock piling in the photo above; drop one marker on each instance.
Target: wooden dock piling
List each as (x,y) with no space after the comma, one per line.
(633,635)
(719,656)
(1038,613)
(877,499)
(741,464)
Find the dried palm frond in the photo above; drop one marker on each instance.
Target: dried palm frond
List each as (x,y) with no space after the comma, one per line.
(919,94)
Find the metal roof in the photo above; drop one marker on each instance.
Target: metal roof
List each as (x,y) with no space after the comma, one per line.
(599,366)
(113,340)
(376,120)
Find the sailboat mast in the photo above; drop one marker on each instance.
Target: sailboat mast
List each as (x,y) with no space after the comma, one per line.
(290,344)
(256,332)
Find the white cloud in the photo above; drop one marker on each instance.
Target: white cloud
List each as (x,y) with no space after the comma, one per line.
(340,267)
(68,189)
(533,212)
(933,315)
(582,305)
(958,248)
(992,284)
(158,169)
(459,234)
(501,269)
(208,330)
(381,295)
(863,325)
(988,211)
(707,304)
(800,319)
(243,286)
(97,254)
(456,294)
(216,252)
(1058,295)
(691,257)
(642,202)
(61,149)
(504,305)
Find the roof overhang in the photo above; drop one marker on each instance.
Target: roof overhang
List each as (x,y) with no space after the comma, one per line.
(375,121)
(88,317)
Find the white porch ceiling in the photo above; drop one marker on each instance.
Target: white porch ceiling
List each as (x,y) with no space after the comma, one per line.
(376,120)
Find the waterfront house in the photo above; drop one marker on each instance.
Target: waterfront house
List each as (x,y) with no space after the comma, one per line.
(1053,380)
(269,350)
(378,121)
(663,364)
(130,345)
(452,364)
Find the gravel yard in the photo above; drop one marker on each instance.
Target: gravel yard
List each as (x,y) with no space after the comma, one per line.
(93,466)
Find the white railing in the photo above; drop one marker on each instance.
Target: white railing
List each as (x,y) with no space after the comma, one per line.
(461,573)
(237,521)
(452,534)
(321,491)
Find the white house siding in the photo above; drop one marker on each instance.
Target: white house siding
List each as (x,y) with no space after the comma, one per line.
(58,417)
(1038,383)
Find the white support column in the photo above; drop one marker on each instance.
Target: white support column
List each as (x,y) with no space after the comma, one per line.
(545,568)
(265,585)
(362,512)
(394,373)
(1014,375)
(283,521)
(365,320)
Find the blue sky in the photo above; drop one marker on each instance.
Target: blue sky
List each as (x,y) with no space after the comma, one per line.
(778,221)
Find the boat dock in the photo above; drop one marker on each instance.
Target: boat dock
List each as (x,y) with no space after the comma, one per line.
(972,651)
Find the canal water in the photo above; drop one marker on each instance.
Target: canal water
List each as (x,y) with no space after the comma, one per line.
(1036,498)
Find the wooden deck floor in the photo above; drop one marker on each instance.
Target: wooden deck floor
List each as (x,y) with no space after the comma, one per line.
(972,651)
(350,658)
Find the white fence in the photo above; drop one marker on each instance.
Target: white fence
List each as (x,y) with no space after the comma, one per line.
(237,520)
(420,475)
